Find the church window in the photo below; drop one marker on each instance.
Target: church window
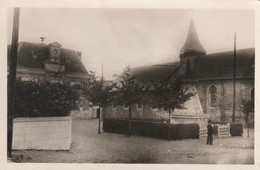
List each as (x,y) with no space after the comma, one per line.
(213,96)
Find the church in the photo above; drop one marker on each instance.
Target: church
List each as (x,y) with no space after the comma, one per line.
(210,76)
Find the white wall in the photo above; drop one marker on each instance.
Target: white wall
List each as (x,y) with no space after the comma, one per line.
(52,133)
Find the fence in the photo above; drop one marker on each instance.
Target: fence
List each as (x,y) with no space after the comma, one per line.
(221,131)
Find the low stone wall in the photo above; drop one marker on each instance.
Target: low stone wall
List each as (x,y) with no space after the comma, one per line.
(52,133)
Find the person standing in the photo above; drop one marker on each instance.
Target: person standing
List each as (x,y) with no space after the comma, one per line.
(210,133)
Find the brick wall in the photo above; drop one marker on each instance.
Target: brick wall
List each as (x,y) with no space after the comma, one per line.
(52,133)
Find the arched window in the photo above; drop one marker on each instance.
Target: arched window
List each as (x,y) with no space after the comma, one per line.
(213,96)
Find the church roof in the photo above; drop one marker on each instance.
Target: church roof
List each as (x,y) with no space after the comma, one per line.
(34,55)
(192,42)
(220,65)
(217,66)
(159,72)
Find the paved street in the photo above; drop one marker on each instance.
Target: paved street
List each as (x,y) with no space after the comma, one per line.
(90,147)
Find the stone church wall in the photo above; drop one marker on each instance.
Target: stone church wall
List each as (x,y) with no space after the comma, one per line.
(223,109)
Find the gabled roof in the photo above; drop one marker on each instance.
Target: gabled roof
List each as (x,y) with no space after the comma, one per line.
(192,42)
(34,55)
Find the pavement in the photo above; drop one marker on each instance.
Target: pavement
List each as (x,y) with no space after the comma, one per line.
(90,147)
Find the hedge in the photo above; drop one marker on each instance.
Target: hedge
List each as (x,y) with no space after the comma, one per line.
(43,98)
(152,129)
(162,120)
(236,129)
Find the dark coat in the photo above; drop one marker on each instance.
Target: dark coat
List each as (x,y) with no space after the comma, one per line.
(210,129)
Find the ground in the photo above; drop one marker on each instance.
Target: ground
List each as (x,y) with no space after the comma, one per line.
(89,147)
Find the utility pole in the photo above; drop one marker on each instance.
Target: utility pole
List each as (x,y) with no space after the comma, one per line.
(12,79)
(99,118)
(102,71)
(234,81)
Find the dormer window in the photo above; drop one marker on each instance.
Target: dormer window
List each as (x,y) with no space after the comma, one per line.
(54,64)
(54,50)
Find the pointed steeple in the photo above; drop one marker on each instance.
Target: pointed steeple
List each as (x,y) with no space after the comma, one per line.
(192,43)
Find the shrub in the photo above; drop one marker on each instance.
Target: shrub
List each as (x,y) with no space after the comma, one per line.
(44,98)
(152,129)
(236,129)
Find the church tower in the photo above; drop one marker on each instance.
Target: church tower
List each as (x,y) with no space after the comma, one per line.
(191,50)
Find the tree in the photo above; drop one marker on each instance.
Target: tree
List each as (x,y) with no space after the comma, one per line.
(98,93)
(170,95)
(128,92)
(224,103)
(247,107)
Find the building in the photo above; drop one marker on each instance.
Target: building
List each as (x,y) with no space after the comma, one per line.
(42,61)
(209,75)
(51,62)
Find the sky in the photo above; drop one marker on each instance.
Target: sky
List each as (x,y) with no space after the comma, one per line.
(136,37)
